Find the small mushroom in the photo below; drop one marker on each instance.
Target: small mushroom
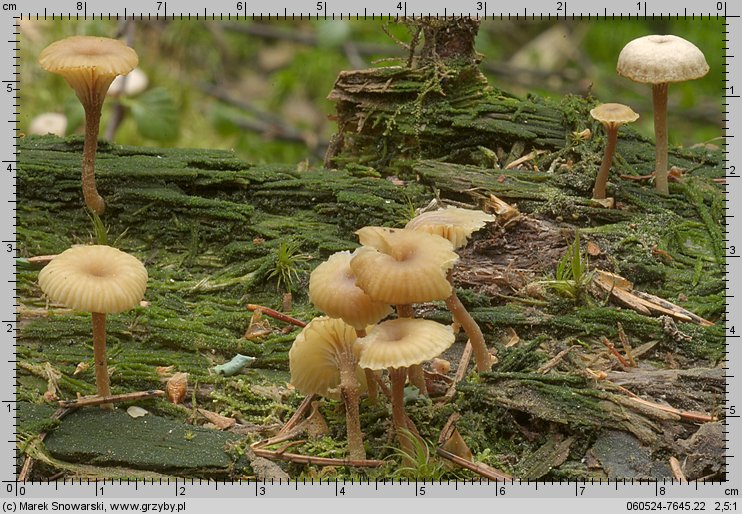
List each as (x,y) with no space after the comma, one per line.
(89,65)
(402,267)
(397,345)
(333,290)
(48,123)
(457,225)
(97,279)
(325,355)
(128,85)
(612,116)
(659,60)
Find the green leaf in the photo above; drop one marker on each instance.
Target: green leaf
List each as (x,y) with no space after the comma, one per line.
(156,115)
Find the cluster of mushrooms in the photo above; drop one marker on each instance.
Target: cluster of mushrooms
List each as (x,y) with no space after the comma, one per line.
(656,60)
(351,346)
(97,278)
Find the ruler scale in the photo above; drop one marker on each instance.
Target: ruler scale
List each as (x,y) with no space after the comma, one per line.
(192,495)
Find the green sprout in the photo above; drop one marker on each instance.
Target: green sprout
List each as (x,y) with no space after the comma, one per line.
(289,261)
(572,275)
(421,464)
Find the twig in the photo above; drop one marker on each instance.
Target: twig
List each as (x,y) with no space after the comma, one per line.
(40,260)
(555,360)
(460,372)
(89,401)
(477,467)
(318,461)
(694,416)
(272,313)
(300,411)
(613,350)
(524,158)
(626,345)
(25,471)
(448,428)
(677,470)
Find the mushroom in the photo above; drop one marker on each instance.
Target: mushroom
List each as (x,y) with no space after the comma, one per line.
(397,345)
(612,116)
(48,123)
(100,280)
(89,65)
(128,85)
(402,267)
(333,290)
(457,225)
(659,60)
(324,355)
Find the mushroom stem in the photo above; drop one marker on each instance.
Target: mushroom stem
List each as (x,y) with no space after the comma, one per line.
(659,100)
(373,388)
(102,380)
(349,392)
(92,124)
(398,377)
(476,338)
(415,372)
(610,148)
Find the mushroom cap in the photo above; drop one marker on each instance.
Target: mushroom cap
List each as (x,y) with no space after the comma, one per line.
(314,358)
(48,123)
(404,342)
(96,278)
(658,59)
(402,266)
(134,83)
(333,290)
(614,114)
(454,223)
(89,64)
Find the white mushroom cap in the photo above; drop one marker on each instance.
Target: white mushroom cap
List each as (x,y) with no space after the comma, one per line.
(48,123)
(95,278)
(659,59)
(131,84)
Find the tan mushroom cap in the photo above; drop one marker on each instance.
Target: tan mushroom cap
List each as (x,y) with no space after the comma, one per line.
(659,59)
(454,223)
(97,278)
(314,357)
(402,266)
(404,342)
(333,290)
(89,64)
(614,114)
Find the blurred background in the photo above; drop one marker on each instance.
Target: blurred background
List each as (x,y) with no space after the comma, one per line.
(259,88)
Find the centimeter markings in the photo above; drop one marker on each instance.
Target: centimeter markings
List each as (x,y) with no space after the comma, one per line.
(486,488)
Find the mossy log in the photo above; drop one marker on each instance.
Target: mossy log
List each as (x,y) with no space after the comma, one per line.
(209,226)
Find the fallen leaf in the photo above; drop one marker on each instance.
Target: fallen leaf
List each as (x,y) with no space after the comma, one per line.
(455,444)
(593,249)
(176,387)
(82,367)
(165,371)
(441,366)
(234,366)
(512,337)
